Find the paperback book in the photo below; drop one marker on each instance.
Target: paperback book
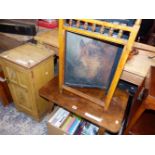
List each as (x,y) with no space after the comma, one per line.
(71,124)
(59,117)
(86,128)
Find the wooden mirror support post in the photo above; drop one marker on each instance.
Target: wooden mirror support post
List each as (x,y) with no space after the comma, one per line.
(108,32)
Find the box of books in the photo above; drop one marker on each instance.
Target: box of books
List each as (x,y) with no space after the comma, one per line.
(57,118)
(86,128)
(71,124)
(62,122)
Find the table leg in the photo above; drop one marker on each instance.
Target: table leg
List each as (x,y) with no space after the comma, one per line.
(139,90)
(101,131)
(51,107)
(135,117)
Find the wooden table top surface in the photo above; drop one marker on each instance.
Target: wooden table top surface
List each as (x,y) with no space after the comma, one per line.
(111,119)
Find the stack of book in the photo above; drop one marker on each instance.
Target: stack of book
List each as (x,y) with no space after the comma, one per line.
(59,117)
(86,128)
(72,124)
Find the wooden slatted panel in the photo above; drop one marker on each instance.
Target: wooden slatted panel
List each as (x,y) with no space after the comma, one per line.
(96,35)
(108,25)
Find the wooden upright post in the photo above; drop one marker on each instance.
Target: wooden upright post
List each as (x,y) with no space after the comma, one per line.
(127,49)
(61,53)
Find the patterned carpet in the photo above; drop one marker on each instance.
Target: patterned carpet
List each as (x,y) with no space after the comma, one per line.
(13,122)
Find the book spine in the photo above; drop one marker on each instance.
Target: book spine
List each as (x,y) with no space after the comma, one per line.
(70,124)
(54,116)
(74,126)
(59,117)
(80,128)
(66,123)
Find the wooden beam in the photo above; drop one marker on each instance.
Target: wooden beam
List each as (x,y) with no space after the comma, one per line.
(144,47)
(61,53)
(126,50)
(84,95)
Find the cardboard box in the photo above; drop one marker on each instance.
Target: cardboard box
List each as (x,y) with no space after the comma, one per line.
(55,130)
(52,130)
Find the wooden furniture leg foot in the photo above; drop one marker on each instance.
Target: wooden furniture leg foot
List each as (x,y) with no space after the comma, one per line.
(101,131)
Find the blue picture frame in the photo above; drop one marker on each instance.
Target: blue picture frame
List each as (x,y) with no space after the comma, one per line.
(90,62)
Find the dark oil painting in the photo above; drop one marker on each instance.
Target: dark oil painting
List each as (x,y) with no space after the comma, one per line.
(88,62)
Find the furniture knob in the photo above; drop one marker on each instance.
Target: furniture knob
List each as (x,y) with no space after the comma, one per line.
(46,73)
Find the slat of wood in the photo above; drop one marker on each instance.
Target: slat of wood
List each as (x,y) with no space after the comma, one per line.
(96,35)
(84,95)
(85,25)
(78,23)
(109,25)
(102,29)
(70,22)
(127,49)
(93,27)
(120,33)
(61,53)
(144,47)
(111,31)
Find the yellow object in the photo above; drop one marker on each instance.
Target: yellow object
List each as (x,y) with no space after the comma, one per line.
(27,68)
(128,43)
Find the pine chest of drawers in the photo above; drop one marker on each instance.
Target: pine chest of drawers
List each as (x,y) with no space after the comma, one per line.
(27,68)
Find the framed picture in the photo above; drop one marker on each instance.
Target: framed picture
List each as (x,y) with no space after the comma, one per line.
(89,62)
(92,54)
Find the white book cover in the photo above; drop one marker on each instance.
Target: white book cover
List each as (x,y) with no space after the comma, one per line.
(59,117)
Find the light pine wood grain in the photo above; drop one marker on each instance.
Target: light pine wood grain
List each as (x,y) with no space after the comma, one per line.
(25,80)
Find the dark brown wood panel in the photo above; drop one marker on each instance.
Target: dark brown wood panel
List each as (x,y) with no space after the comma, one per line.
(5,96)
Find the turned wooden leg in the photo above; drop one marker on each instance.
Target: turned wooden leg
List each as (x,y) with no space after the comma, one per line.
(51,106)
(135,117)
